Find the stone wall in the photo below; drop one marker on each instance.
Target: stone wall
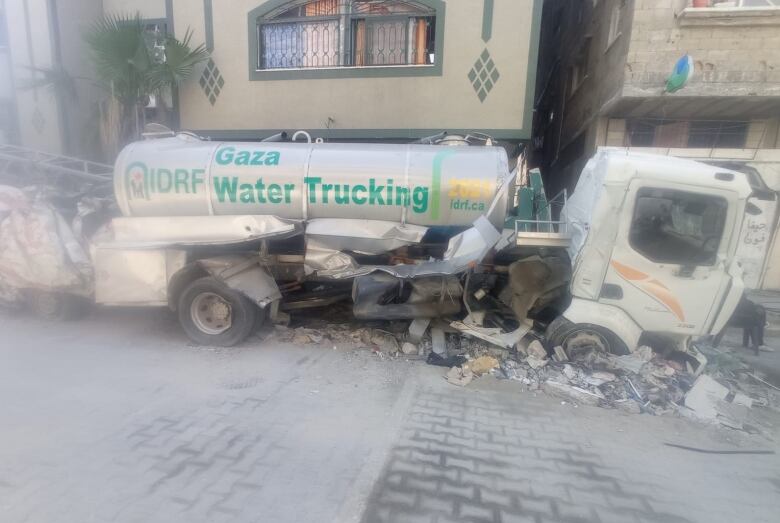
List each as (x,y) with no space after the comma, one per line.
(734,54)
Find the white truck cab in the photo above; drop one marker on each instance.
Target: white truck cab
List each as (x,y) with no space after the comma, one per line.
(653,249)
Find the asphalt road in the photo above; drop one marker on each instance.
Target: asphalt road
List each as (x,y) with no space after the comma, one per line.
(118,418)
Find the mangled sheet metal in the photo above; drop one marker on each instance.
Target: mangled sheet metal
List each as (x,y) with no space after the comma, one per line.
(363,236)
(464,250)
(198,230)
(39,249)
(470,327)
(245,274)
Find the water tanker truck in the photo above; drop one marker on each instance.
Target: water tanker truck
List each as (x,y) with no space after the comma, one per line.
(230,234)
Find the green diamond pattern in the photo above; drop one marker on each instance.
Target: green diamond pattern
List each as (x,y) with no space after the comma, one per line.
(484,75)
(211,81)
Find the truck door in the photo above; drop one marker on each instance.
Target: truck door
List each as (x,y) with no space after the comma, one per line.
(668,266)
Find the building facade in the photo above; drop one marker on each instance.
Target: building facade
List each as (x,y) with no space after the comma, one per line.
(355,69)
(609,65)
(604,82)
(46,89)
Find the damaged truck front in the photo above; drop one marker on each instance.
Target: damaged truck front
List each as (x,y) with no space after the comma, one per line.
(229,233)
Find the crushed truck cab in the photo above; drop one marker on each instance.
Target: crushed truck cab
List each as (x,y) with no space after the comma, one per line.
(645,244)
(653,247)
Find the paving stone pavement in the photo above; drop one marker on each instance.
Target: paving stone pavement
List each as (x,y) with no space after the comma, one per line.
(496,459)
(118,419)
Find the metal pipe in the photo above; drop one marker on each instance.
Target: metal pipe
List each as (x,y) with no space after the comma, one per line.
(278,137)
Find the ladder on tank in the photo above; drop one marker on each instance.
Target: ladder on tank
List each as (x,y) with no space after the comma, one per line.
(534,226)
(20,160)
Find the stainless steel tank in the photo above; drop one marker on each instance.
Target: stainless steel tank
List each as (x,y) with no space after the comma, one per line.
(419,184)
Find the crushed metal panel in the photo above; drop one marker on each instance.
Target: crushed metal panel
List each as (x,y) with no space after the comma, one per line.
(131,276)
(39,250)
(199,230)
(495,336)
(245,275)
(363,236)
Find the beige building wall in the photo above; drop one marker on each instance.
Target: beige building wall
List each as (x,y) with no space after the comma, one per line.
(30,46)
(404,104)
(147,8)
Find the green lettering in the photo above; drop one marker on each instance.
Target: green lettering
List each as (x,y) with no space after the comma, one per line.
(402,196)
(257,158)
(272,158)
(311,187)
(225,186)
(375,193)
(420,198)
(260,186)
(225,155)
(197,179)
(242,158)
(247,193)
(359,188)
(164,180)
(288,189)
(326,188)
(181,176)
(340,198)
(275,193)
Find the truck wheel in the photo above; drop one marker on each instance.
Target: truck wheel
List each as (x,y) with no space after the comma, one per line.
(212,313)
(57,305)
(575,337)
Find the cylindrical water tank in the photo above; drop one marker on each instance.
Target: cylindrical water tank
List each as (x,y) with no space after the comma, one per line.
(418,184)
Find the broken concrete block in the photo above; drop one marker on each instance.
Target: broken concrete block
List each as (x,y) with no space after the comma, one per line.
(535,363)
(629,362)
(600,378)
(704,396)
(644,352)
(570,372)
(460,376)
(417,329)
(409,348)
(536,349)
(483,365)
(566,391)
(439,341)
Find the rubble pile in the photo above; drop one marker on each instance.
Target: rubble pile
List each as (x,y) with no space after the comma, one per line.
(641,382)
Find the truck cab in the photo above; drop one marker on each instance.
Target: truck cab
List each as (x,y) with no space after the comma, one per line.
(654,251)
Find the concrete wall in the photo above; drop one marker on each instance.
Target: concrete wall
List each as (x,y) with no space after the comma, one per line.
(568,120)
(734,54)
(30,45)
(47,34)
(408,106)
(147,8)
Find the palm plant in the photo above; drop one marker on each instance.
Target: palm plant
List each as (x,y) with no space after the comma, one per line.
(134,65)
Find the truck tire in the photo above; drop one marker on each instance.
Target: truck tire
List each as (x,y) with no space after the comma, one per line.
(579,336)
(213,314)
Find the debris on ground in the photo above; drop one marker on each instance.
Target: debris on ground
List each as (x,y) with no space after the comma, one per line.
(460,376)
(727,392)
(483,365)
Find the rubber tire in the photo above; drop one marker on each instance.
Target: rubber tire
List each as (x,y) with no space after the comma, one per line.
(244,311)
(61,306)
(560,329)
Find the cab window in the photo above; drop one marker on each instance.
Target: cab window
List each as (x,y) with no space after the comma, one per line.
(677,227)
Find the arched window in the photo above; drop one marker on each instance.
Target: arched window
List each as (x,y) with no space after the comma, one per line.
(323,34)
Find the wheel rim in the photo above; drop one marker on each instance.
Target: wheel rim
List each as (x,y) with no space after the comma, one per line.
(211,313)
(584,339)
